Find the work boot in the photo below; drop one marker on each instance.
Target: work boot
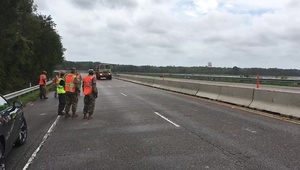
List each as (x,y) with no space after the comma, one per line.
(85,116)
(74,115)
(90,117)
(67,115)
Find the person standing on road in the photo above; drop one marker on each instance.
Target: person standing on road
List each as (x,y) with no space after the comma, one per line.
(43,84)
(72,89)
(79,79)
(61,93)
(90,92)
(56,84)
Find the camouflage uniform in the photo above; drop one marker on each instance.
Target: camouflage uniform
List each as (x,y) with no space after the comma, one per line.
(43,84)
(72,100)
(89,100)
(43,92)
(79,80)
(55,85)
(89,104)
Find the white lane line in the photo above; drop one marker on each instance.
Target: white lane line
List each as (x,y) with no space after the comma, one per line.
(43,114)
(252,131)
(167,119)
(109,86)
(41,144)
(124,94)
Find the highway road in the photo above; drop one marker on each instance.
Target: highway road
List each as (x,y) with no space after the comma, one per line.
(138,127)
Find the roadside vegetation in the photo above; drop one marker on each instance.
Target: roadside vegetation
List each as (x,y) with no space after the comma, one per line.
(33,96)
(29,44)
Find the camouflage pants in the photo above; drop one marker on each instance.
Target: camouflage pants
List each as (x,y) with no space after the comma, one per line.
(89,104)
(42,91)
(72,100)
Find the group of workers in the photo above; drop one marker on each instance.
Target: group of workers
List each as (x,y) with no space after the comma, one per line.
(68,89)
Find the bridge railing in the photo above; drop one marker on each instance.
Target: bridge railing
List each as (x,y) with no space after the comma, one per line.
(292,81)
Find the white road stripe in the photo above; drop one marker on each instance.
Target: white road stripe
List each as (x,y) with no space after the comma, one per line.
(124,94)
(109,86)
(167,119)
(252,131)
(41,144)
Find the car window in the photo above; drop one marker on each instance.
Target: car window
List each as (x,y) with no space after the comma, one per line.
(3,104)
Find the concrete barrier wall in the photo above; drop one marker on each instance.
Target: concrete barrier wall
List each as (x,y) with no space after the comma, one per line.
(209,91)
(131,77)
(236,95)
(138,79)
(147,81)
(175,86)
(162,84)
(190,88)
(285,103)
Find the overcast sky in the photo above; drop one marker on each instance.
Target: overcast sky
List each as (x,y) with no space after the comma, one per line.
(242,33)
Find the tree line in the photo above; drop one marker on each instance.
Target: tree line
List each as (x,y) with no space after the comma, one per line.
(245,72)
(29,44)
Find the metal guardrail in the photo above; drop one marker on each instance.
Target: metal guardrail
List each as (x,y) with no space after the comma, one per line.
(23,91)
(33,88)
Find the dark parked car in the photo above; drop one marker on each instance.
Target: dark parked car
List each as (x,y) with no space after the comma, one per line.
(13,127)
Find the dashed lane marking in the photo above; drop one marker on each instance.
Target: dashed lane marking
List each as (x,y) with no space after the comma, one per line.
(167,119)
(252,131)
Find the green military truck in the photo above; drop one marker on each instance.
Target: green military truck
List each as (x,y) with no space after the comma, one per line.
(103,71)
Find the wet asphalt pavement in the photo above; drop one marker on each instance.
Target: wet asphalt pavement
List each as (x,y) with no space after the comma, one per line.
(138,127)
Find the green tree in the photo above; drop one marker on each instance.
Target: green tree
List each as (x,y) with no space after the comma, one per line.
(29,44)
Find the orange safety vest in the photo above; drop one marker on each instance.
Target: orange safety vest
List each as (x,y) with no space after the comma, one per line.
(56,80)
(87,85)
(42,77)
(70,85)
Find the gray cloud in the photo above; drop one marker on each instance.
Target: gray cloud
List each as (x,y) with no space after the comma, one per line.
(117,23)
(153,25)
(42,4)
(155,32)
(293,4)
(119,3)
(85,4)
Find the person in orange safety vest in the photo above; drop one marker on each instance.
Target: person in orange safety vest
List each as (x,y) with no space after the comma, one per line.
(90,92)
(79,79)
(43,84)
(56,84)
(72,89)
